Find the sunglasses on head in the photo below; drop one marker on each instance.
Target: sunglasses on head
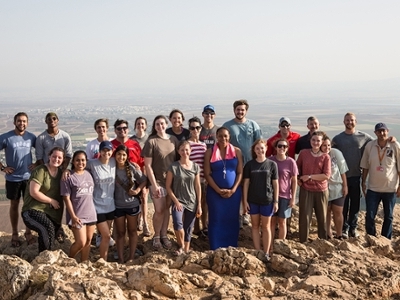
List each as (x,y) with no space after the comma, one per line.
(282,146)
(121,128)
(194,127)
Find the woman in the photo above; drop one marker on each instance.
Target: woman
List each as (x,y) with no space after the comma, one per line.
(260,194)
(103,173)
(129,182)
(287,171)
(198,150)
(141,137)
(223,167)
(159,153)
(43,206)
(315,170)
(77,192)
(183,186)
(337,186)
(176,118)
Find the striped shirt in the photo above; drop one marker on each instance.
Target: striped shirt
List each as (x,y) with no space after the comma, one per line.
(197,155)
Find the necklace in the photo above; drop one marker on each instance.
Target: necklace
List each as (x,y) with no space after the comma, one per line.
(224,170)
(315,153)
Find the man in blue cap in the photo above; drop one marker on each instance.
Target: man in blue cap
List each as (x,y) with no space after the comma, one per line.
(208,128)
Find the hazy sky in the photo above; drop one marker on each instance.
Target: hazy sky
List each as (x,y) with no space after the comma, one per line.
(157,44)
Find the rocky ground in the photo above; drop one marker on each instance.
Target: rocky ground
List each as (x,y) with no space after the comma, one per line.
(358,268)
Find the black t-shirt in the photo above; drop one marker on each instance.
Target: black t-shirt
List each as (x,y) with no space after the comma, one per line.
(184,135)
(261,190)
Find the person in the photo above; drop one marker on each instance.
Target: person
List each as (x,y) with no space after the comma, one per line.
(260,194)
(314,170)
(208,128)
(17,145)
(223,170)
(43,206)
(92,148)
(304,142)
(103,171)
(50,138)
(176,118)
(351,142)
(159,153)
(381,165)
(337,186)
(77,192)
(141,137)
(129,182)
(243,133)
(284,132)
(183,187)
(287,179)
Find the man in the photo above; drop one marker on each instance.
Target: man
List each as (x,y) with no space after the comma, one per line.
(92,148)
(121,129)
(381,161)
(351,143)
(304,141)
(284,132)
(208,128)
(244,132)
(18,144)
(50,138)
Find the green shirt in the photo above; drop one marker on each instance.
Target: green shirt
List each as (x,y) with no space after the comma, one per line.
(50,186)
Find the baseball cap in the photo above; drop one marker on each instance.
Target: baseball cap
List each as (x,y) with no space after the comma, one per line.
(380,126)
(284,119)
(208,107)
(105,145)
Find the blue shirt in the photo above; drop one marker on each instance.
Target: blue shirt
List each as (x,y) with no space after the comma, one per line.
(18,154)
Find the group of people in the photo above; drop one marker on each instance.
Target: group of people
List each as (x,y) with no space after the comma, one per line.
(209,178)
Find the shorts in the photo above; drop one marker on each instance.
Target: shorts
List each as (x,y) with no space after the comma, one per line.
(105,217)
(284,211)
(84,224)
(122,212)
(264,210)
(337,202)
(16,189)
(163,192)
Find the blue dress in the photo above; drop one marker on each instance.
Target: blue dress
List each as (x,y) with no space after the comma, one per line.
(223,213)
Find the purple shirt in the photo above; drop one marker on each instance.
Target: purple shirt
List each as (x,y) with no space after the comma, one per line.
(286,169)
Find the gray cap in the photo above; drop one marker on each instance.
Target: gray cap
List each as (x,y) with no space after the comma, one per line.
(284,119)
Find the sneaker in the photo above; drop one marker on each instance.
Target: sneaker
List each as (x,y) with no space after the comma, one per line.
(246,219)
(353,233)
(98,240)
(112,242)
(345,234)
(267,257)
(116,255)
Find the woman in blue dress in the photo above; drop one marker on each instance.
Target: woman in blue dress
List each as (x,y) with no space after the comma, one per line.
(223,168)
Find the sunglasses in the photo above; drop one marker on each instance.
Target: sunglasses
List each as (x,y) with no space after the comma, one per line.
(51,118)
(121,128)
(282,146)
(209,113)
(285,125)
(196,127)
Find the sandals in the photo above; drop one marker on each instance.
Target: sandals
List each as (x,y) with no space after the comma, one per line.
(166,242)
(15,242)
(60,236)
(157,243)
(30,239)
(178,252)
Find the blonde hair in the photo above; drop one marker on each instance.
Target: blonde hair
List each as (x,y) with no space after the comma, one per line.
(258,141)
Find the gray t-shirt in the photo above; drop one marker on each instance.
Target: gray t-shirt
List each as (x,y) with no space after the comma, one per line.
(121,197)
(46,142)
(141,140)
(79,188)
(352,147)
(104,184)
(208,136)
(183,184)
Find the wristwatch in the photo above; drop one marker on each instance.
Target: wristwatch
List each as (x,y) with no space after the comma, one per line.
(2,168)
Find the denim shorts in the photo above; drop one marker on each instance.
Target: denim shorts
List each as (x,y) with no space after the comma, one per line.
(284,211)
(264,210)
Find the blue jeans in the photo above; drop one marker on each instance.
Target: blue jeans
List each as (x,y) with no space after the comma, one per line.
(372,200)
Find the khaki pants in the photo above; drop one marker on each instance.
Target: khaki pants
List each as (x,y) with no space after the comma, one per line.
(307,202)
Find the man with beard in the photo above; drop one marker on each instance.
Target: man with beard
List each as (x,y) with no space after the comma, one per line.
(208,128)
(18,144)
(381,163)
(351,143)
(50,138)
(244,132)
(304,142)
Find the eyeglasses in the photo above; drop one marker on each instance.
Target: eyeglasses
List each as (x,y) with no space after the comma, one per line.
(209,113)
(196,127)
(122,128)
(285,125)
(282,146)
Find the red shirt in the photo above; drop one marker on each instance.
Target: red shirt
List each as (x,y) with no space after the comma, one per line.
(134,151)
(292,140)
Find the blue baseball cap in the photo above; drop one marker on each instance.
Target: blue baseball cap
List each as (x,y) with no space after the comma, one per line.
(381,126)
(106,145)
(208,107)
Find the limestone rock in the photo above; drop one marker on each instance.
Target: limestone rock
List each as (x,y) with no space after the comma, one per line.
(14,276)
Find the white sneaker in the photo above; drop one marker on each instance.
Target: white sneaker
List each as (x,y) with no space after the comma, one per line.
(98,240)
(115,255)
(112,242)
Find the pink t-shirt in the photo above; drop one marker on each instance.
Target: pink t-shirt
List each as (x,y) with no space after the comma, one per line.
(286,170)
